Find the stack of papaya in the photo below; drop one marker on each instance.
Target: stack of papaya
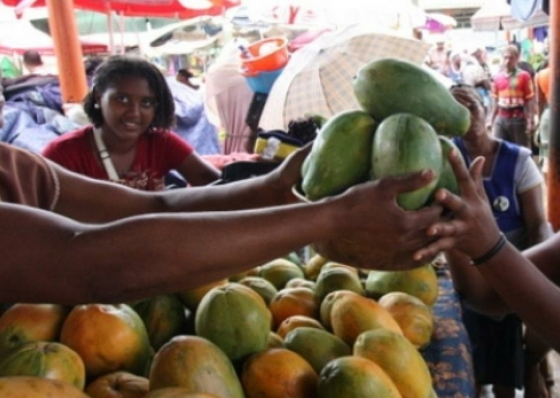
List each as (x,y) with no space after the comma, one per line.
(406,118)
(285,329)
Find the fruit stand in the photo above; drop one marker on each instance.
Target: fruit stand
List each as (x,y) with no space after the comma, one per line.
(273,331)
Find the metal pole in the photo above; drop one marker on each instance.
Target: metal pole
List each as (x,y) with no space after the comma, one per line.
(68,50)
(554,154)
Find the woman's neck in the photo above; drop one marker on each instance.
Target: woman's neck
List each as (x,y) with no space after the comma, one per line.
(481,146)
(115,145)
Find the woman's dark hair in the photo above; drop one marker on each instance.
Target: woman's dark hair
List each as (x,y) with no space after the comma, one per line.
(122,66)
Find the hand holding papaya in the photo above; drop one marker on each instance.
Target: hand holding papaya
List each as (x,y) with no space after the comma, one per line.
(373,230)
(472,230)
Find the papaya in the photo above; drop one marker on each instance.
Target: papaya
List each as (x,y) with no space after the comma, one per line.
(294,301)
(278,373)
(447,177)
(280,271)
(388,86)
(337,278)
(327,303)
(404,143)
(192,297)
(26,323)
(296,322)
(413,316)
(118,385)
(400,360)
(274,340)
(264,288)
(37,387)
(420,282)
(108,338)
(300,282)
(313,266)
(356,377)
(164,317)
(51,360)
(316,346)
(196,364)
(333,264)
(340,155)
(235,318)
(353,314)
(176,392)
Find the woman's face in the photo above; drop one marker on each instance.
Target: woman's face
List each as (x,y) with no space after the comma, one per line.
(128,106)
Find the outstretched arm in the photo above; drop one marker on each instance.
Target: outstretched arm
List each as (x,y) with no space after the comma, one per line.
(88,200)
(51,258)
(522,281)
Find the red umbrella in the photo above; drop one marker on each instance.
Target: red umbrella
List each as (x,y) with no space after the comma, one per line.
(183,9)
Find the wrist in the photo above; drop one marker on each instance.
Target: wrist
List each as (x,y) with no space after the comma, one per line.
(491,252)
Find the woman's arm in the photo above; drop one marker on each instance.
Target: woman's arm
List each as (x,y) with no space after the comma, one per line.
(51,258)
(471,286)
(88,200)
(534,216)
(523,285)
(198,171)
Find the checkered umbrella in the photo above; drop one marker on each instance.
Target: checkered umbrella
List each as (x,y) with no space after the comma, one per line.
(318,77)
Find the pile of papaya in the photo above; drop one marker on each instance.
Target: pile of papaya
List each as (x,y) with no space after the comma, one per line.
(402,127)
(285,329)
(406,118)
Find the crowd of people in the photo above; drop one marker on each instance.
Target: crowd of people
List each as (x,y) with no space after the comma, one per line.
(94,211)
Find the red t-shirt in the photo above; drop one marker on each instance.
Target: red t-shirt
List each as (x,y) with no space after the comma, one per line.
(511,92)
(157,153)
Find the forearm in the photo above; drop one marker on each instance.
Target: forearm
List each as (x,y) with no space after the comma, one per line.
(473,287)
(247,194)
(527,291)
(112,263)
(94,201)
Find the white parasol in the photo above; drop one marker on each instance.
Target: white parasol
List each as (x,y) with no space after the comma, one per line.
(318,77)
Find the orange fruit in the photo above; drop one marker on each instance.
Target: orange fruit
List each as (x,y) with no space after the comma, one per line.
(293,301)
(297,321)
(25,323)
(278,373)
(37,387)
(108,338)
(45,359)
(118,385)
(353,314)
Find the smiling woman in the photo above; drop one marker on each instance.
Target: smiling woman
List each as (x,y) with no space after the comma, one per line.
(130,142)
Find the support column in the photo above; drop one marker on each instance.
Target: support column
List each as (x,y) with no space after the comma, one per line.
(554,153)
(68,50)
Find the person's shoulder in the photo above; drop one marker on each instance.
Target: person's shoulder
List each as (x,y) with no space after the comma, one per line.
(69,139)
(512,147)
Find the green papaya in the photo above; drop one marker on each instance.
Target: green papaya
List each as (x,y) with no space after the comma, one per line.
(404,143)
(340,156)
(387,86)
(447,177)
